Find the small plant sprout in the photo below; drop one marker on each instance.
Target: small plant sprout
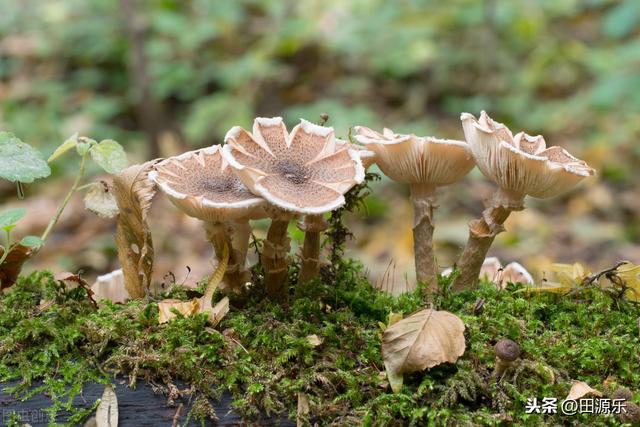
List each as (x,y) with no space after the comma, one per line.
(201,184)
(305,172)
(21,163)
(424,163)
(520,165)
(507,352)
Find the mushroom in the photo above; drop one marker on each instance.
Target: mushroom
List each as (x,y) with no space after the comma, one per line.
(305,172)
(520,165)
(424,163)
(507,352)
(201,184)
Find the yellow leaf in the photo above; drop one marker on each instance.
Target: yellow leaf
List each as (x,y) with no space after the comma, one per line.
(186,308)
(553,287)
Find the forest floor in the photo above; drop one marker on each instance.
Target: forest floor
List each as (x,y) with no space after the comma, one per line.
(323,348)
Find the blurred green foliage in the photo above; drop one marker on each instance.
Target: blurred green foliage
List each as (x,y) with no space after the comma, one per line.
(565,68)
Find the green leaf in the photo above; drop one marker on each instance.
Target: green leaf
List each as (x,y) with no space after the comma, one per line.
(10,217)
(20,161)
(71,142)
(109,155)
(31,241)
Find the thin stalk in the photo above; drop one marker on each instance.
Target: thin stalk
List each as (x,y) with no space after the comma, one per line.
(422,197)
(5,252)
(313,226)
(482,233)
(76,183)
(274,259)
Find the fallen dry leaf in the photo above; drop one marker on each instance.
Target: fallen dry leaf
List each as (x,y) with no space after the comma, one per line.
(314,340)
(423,340)
(107,412)
(134,193)
(100,200)
(186,308)
(12,265)
(303,409)
(111,287)
(580,389)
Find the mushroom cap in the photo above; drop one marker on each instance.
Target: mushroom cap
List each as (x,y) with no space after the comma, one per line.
(306,171)
(507,350)
(417,160)
(522,163)
(201,184)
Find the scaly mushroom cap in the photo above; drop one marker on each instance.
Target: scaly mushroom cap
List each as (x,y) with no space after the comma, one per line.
(306,171)
(521,164)
(417,160)
(201,184)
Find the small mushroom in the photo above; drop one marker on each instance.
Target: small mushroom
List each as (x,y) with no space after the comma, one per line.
(507,352)
(201,184)
(305,172)
(520,165)
(424,163)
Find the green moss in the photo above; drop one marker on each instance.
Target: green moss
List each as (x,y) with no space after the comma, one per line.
(261,356)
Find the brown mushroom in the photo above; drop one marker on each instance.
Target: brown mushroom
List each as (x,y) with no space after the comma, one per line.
(507,352)
(520,165)
(305,172)
(201,184)
(424,163)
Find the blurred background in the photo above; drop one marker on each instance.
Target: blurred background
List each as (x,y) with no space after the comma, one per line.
(166,76)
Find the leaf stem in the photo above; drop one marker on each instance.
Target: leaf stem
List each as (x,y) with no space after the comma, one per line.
(5,252)
(76,183)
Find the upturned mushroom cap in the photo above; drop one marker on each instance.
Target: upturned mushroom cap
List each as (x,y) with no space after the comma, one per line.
(507,350)
(306,171)
(521,164)
(201,184)
(417,160)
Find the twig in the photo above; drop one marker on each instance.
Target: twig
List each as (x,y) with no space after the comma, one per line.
(176,416)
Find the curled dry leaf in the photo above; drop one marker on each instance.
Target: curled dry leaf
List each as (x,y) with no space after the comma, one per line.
(580,389)
(111,287)
(12,265)
(423,340)
(134,192)
(100,200)
(107,412)
(200,305)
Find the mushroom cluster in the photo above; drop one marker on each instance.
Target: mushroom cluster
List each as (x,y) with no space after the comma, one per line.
(272,173)
(268,172)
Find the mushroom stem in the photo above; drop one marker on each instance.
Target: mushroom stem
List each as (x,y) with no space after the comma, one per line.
(241,236)
(422,197)
(220,234)
(482,232)
(313,225)
(274,258)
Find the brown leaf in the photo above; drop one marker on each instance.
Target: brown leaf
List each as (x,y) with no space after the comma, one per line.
(423,340)
(12,265)
(218,311)
(186,308)
(134,193)
(107,412)
(580,389)
(110,287)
